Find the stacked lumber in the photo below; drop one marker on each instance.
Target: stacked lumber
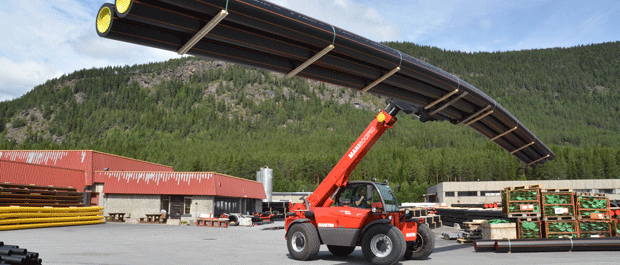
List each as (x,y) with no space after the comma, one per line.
(10,254)
(17,217)
(39,196)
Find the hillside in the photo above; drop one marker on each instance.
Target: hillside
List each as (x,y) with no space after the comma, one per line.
(197,114)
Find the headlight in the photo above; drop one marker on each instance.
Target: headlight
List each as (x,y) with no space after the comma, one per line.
(374,209)
(407,211)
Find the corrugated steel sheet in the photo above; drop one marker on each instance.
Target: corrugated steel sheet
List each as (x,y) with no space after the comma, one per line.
(24,173)
(86,160)
(179,183)
(118,163)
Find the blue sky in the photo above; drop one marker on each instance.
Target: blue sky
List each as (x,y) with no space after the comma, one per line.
(46,39)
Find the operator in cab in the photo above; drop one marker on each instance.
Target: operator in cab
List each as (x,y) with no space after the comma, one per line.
(360,200)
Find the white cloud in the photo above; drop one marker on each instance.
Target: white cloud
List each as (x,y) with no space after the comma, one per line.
(45,39)
(351,15)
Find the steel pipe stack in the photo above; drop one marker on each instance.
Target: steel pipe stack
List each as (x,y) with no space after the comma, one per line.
(558,245)
(12,218)
(451,216)
(10,254)
(262,35)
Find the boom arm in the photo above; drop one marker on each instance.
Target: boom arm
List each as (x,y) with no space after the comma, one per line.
(339,175)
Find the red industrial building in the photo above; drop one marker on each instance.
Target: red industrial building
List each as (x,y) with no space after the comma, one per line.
(134,187)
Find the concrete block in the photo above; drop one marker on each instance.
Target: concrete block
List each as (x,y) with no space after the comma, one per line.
(499,231)
(173,222)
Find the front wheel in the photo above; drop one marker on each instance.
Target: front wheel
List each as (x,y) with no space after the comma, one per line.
(383,244)
(302,241)
(423,245)
(340,251)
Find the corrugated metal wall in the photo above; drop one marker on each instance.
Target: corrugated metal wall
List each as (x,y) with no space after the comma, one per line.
(235,187)
(23,173)
(85,160)
(178,183)
(119,163)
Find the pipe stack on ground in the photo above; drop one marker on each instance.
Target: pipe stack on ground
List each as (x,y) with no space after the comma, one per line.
(262,35)
(549,245)
(16,217)
(10,254)
(39,196)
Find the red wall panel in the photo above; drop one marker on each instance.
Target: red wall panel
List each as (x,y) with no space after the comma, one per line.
(119,163)
(86,160)
(178,183)
(23,173)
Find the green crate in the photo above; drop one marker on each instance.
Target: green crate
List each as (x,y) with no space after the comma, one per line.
(513,199)
(588,204)
(561,229)
(529,229)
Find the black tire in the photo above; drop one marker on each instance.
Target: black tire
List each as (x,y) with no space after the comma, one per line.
(423,246)
(302,241)
(340,251)
(383,244)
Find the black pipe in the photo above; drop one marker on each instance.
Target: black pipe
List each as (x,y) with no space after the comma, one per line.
(262,35)
(558,245)
(286,23)
(484,245)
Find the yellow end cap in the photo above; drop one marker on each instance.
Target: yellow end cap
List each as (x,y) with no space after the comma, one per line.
(104,19)
(122,6)
(381,117)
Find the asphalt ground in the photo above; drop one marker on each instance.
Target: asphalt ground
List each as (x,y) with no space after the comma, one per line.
(120,243)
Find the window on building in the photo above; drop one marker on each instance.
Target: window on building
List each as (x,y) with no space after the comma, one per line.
(467,193)
(187,206)
(606,191)
(490,193)
(583,191)
(449,193)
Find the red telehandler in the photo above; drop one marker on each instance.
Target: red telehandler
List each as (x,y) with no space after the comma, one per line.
(343,214)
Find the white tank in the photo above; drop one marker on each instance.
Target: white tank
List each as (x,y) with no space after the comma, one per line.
(259,176)
(267,180)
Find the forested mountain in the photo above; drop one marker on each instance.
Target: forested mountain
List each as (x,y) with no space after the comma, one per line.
(201,115)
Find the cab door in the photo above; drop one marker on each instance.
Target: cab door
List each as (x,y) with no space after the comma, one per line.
(341,224)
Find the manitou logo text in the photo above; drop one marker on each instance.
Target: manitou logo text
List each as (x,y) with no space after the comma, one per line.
(326,225)
(362,141)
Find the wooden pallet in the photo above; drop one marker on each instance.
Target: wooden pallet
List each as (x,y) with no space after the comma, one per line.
(524,187)
(559,218)
(556,190)
(523,215)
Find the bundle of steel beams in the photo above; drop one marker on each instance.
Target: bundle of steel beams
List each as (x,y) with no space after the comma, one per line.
(39,196)
(262,35)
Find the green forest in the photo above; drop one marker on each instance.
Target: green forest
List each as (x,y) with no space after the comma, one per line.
(200,115)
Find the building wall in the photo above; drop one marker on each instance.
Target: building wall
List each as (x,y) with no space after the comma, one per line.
(136,205)
(294,197)
(201,205)
(26,174)
(610,187)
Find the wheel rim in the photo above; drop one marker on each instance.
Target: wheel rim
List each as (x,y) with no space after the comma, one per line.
(298,241)
(381,245)
(419,242)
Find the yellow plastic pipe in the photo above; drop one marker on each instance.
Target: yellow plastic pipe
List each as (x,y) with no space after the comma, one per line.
(35,215)
(26,226)
(13,209)
(49,220)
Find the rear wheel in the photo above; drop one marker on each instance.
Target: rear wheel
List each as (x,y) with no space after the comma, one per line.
(383,244)
(340,251)
(423,246)
(303,241)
